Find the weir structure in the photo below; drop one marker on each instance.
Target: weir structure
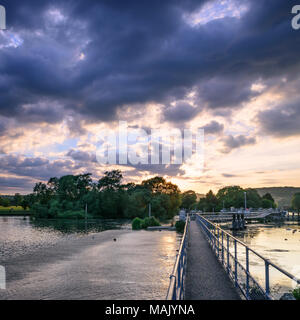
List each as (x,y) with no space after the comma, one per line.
(227,276)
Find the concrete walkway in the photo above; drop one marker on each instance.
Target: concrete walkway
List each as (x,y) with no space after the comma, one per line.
(206,279)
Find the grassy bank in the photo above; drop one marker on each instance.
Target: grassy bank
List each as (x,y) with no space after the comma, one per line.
(14,211)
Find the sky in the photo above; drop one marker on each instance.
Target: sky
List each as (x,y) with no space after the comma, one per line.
(71,69)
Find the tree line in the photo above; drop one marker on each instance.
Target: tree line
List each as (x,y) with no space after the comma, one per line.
(69,196)
(234,196)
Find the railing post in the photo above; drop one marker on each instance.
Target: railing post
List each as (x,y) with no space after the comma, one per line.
(174,297)
(178,277)
(247,272)
(235,262)
(213,237)
(228,261)
(267,276)
(218,242)
(222,247)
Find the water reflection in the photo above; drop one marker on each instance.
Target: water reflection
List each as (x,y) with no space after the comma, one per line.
(81,226)
(278,242)
(20,235)
(73,264)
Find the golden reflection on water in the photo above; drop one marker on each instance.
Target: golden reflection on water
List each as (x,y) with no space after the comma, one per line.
(280,243)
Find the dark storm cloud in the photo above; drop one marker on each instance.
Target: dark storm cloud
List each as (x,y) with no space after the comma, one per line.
(181,112)
(282,121)
(231,142)
(136,52)
(22,183)
(39,168)
(83,156)
(213,127)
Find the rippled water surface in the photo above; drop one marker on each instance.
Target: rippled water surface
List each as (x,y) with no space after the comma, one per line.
(20,235)
(59,260)
(278,242)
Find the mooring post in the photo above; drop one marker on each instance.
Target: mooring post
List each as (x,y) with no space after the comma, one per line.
(243,221)
(233,222)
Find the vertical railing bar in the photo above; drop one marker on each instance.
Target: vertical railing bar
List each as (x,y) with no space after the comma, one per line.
(235,262)
(222,247)
(228,262)
(218,243)
(247,273)
(267,278)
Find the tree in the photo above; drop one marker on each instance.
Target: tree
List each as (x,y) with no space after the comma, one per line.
(17,199)
(111,180)
(253,199)
(296,202)
(25,203)
(268,196)
(5,202)
(211,201)
(68,195)
(267,204)
(188,200)
(232,196)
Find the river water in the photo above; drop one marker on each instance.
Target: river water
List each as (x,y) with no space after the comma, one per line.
(71,260)
(280,243)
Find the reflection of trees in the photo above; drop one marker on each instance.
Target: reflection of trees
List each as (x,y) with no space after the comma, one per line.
(74,226)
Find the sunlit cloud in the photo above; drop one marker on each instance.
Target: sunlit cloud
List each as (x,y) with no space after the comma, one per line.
(216,9)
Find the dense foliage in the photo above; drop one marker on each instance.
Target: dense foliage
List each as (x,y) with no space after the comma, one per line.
(234,196)
(189,200)
(179,225)
(138,223)
(296,293)
(296,202)
(68,196)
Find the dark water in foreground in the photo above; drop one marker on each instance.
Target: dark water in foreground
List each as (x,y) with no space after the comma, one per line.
(57,260)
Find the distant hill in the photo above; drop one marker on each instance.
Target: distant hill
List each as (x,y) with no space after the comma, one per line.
(282,195)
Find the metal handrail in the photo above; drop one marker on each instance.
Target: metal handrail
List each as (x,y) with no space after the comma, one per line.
(177,278)
(215,243)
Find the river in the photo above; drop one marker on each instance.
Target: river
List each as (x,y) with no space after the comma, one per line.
(280,243)
(71,260)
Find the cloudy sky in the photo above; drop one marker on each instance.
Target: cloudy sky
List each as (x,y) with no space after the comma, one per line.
(69,69)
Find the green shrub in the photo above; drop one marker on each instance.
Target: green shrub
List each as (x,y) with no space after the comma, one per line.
(150,222)
(179,225)
(296,293)
(137,224)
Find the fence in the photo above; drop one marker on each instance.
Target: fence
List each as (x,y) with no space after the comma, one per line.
(226,248)
(177,278)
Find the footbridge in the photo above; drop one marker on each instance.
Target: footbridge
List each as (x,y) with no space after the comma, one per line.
(214,265)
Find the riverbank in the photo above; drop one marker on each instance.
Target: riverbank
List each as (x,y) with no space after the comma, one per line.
(136,265)
(9,213)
